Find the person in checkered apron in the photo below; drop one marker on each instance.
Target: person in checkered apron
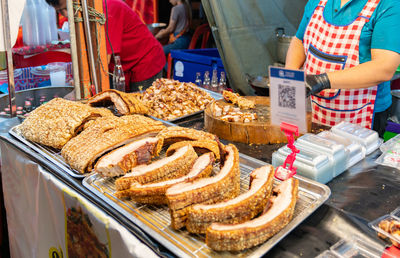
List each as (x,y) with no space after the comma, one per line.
(349,50)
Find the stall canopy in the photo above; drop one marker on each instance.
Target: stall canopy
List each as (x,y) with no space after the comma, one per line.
(244,31)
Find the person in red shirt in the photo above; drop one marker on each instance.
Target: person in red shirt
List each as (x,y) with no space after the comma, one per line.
(142,56)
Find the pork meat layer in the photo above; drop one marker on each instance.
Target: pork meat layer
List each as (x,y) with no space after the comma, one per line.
(170,167)
(104,135)
(154,193)
(119,161)
(227,237)
(240,209)
(223,186)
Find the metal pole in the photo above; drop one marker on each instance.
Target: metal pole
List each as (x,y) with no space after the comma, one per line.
(10,66)
(74,50)
(89,44)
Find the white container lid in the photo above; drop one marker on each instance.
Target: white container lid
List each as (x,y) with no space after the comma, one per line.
(354,150)
(366,137)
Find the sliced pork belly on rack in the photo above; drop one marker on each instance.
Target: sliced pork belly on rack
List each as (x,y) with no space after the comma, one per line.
(228,237)
(104,135)
(242,208)
(154,193)
(223,186)
(201,147)
(175,134)
(125,103)
(119,161)
(174,166)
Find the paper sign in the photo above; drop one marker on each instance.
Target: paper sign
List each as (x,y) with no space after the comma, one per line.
(288,97)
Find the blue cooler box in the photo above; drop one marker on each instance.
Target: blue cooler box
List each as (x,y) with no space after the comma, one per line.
(187,62)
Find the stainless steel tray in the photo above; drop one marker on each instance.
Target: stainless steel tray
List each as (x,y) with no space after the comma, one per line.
(155,220)
(53,155)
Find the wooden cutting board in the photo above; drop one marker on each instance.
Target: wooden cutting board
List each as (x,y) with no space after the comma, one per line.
(259,131)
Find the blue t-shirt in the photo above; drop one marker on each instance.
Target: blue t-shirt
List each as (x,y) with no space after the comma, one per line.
(381,32)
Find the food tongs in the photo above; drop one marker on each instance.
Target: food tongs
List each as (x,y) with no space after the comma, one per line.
(286,170)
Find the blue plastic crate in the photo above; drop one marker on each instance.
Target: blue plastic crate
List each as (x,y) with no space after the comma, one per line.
(187,62)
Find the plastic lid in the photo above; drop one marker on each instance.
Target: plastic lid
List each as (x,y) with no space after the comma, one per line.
(356,248)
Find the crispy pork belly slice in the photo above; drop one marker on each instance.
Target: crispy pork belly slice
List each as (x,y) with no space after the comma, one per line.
(236,99)
(119,161)
(200,147)
(237,237)
(225,185)
(174,166)
(125,103)
(155,193)
(56,122)
(104,135)
(244,207)
(175,134)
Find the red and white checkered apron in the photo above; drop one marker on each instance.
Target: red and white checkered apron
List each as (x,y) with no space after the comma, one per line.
(329,48)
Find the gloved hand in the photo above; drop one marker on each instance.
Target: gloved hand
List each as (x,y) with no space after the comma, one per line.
(317,83)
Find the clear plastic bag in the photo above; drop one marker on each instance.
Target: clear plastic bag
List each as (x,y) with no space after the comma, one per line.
(390,157)
(391,144)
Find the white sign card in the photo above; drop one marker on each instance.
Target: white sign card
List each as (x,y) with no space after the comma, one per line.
(288,97)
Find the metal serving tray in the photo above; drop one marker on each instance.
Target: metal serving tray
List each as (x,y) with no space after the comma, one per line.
(155,220)
(53,155)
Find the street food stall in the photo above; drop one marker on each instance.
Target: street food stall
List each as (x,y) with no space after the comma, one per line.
(178,170)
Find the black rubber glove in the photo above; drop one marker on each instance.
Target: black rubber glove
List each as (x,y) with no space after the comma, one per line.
(316,83)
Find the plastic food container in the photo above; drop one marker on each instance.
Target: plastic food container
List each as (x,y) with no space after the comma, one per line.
(356,248)
(335,152)
(389,217)
(396,213)
(313,165)
(368,138)
(354,151)
(327,254)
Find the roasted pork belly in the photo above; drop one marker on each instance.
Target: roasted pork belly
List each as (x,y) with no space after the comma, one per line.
(240,209)
(174,166)
(104,135)
(56,122)
(200,147)
(236,99)
(228,237)
(125,103)
(225,185)
(154,193)
(175,134)
(119,161)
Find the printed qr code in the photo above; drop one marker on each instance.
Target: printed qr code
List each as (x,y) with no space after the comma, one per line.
(287,96)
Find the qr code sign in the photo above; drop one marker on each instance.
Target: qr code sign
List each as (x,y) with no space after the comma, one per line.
(287,96)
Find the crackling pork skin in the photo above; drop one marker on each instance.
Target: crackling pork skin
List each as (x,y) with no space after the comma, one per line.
(154,193)
(236,99)
(175,134)
(104,135)
(238,210)
(223,186)
(170,167)
(200,147)
(119,161)
(228,237)
(125,103)
(56,122)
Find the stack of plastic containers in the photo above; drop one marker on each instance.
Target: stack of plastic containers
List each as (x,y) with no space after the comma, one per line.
(328,154)
(39,23)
